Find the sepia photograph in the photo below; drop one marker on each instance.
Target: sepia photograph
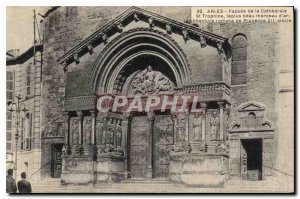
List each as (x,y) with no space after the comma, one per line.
(150,99)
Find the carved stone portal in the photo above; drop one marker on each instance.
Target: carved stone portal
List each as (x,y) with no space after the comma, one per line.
(149,81)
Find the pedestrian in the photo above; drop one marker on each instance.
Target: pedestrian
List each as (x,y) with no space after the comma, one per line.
(23,185)
(10,182)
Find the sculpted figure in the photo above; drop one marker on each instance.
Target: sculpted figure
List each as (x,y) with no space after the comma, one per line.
(110,133)
(87,130)
(214,120)
(119,133)
(74,130)
(149,80)
(197,127)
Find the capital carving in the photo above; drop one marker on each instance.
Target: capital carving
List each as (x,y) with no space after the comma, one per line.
(151,116)
(93,113)
(66,116)
(221,104)
(80,114)
(126,114)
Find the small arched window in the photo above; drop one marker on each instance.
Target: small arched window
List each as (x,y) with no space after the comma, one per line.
(239,60)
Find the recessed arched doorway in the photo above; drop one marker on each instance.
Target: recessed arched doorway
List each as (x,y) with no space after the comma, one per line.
(143,62)
(151,134)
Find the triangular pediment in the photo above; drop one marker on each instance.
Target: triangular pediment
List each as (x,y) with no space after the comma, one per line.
(251,106)
(59,120)
(188,31)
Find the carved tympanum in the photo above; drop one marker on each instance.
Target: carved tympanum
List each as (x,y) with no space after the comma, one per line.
(150,81)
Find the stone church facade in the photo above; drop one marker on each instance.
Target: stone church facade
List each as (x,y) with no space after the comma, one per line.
(90,51)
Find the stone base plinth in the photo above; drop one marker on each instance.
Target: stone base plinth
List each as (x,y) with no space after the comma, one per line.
(81,170)
(199,169)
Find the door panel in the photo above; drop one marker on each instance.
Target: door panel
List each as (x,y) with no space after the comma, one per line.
(163,137)
(56,160)
(139,147)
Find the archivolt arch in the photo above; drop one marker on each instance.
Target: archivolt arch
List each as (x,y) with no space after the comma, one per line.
(130,45)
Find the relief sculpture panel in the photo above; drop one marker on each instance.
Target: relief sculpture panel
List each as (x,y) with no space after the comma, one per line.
(150,81)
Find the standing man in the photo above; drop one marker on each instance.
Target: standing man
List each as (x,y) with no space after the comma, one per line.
(10,182)
(23,185)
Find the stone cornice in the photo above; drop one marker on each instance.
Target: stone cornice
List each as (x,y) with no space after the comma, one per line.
(133,13)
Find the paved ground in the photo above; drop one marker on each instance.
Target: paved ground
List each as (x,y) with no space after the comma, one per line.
(53,186)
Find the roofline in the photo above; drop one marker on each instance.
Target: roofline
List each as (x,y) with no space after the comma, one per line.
(65,59)
(24,56)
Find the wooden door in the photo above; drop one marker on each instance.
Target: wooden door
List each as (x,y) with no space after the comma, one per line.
(163,138)
(139,152)
(56,160)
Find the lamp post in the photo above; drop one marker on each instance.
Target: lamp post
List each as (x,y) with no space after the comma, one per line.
(17,108)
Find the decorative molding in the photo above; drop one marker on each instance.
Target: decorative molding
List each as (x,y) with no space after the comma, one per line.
(251,106)
(134,13)
(80,103)
(131,31)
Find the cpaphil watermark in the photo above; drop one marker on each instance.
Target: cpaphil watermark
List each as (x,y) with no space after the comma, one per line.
(163,103)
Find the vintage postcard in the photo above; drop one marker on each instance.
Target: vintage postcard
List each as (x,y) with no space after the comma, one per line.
(150,100)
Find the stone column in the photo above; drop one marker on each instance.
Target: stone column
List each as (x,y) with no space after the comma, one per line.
(93,133)
(151,117)
(187,118)
(104,129)
(115,122)
(80,117)
(125,123)
(221,130)
(174,119)
(67,129)
(203,122)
